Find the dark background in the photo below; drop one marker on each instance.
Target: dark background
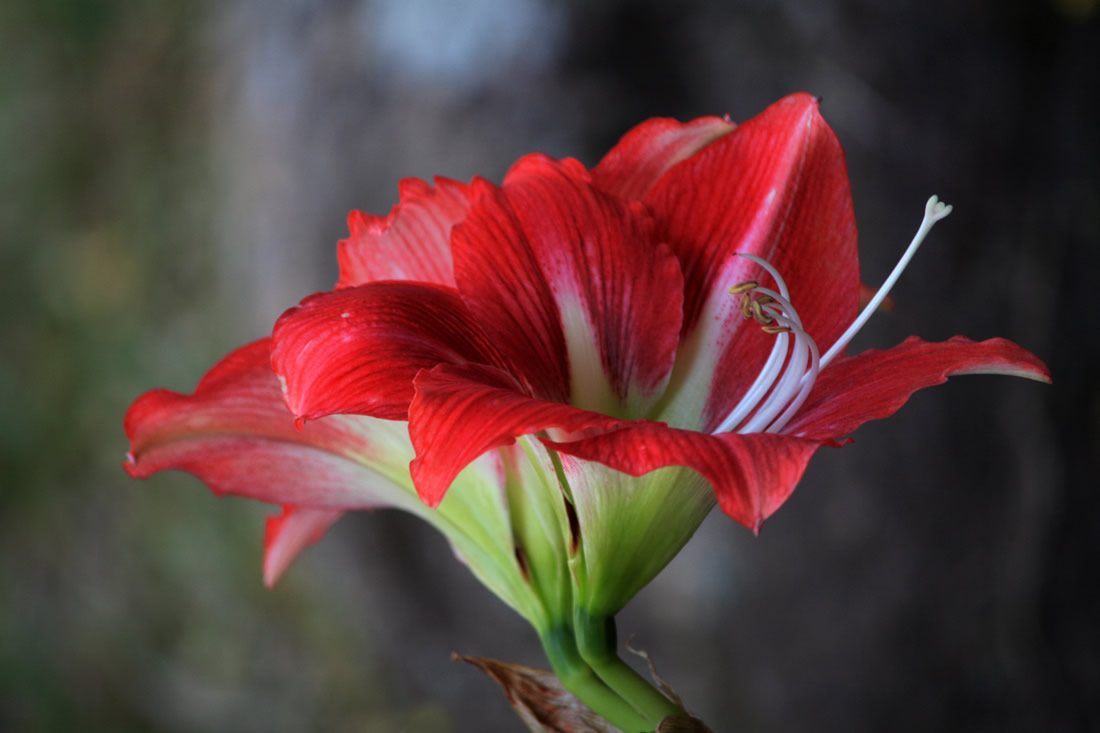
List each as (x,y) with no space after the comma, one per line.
(174,175)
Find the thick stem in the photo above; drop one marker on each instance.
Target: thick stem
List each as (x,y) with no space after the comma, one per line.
(597,645)
(577,677)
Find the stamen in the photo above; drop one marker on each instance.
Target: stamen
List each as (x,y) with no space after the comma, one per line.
(778,392)
(934,210)
(758,313)
(790,384)
(746,309)
(775,386)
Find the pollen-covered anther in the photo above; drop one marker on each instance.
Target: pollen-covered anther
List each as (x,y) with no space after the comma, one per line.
(754,307)
(759,314)
(746,307)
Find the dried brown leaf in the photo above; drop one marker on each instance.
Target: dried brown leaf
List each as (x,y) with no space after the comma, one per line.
(540,700)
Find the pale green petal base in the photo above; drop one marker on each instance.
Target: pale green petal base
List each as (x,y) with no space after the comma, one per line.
(630,528)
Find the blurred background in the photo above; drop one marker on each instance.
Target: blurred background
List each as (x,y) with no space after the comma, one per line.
(175,174)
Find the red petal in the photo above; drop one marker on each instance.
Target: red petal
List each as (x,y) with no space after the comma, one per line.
(875,384)
(460,412)
(776,187)
(357,350)
(643,155)
(752,475)
(412,243)
(286,535)
(236,434)
(570,282)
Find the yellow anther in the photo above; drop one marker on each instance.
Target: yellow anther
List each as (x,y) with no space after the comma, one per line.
(746,307)
(744,287)
(758,311)
(754,307)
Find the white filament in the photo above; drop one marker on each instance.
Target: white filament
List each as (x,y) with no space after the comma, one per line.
(764,380)
(803,384)
(777,393)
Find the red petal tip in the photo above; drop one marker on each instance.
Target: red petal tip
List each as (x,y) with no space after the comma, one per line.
(299,423)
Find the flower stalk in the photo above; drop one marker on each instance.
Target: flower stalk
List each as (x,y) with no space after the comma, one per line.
(584,657)
(560,647)
(597,642)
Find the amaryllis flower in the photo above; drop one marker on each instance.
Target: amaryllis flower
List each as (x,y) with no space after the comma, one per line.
(565,372)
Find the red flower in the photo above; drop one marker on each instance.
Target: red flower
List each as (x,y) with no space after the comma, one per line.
(591,309)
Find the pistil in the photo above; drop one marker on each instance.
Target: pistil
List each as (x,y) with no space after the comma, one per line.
(934,210)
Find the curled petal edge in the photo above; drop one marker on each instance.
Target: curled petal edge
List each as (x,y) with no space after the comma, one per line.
(236,435)
(647,151)
(412,243)
(288,533)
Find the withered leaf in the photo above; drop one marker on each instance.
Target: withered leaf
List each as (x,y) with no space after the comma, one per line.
(540,699)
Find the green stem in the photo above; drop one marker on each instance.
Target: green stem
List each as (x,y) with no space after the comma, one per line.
(597,644)
(577,677)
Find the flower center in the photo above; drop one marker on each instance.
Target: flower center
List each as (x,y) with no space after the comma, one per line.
(783,384)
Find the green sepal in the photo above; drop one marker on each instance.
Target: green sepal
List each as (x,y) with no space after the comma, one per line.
(630,528)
